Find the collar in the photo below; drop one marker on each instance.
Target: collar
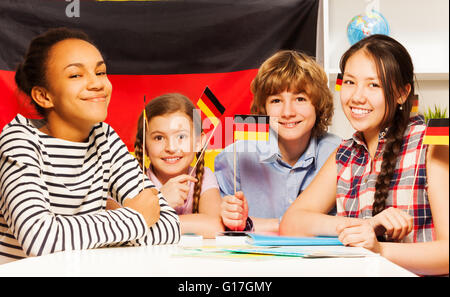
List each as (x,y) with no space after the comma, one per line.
(270,152)
(359,139)
(153,177)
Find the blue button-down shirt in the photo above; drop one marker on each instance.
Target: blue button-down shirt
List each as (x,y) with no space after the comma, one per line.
(270,184)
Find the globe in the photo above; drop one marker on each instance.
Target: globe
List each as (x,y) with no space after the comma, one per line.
(366,24)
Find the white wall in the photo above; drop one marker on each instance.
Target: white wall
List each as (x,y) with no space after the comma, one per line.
(421,26)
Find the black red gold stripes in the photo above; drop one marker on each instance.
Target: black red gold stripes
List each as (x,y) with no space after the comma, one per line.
(251,127)
(437,132)
(415,104)
(338,82)
(157,47)
(211,106)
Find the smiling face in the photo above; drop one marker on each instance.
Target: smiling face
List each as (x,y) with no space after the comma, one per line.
(78,90)
(170,144)
(292,115)
(362,96)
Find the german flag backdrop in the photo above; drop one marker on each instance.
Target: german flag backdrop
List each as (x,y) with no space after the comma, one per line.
(155,47)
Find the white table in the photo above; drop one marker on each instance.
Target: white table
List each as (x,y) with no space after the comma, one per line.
(168,260)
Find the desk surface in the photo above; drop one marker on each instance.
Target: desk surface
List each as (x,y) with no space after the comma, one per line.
(171,260)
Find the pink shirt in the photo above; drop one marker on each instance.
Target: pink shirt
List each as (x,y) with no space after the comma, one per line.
(209,182)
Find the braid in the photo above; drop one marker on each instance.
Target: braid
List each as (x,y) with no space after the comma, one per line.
(138,152)
(138,143)
(198,186)
(394,141)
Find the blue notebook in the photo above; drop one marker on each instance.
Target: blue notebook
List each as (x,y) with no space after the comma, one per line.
(267,240)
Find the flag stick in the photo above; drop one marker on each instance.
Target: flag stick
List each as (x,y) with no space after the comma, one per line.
(144,119)
(203,150)
(234,165)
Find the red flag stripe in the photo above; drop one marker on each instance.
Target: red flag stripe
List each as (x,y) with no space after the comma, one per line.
(251,127)
(437,131)
(210,105)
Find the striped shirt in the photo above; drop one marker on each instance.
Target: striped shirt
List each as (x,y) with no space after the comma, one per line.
(356,180)
(53,193)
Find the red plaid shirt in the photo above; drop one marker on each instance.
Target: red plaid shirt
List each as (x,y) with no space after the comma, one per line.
(356,179)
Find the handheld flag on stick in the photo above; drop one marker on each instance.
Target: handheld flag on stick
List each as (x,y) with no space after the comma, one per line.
(144,120)
(338,82)
(213,109)
(249,127)
(437,132)
(210,106)
(415,104)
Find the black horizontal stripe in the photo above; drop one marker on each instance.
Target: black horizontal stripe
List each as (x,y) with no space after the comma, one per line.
(438,122)
(25,185)
(6,235)
(251,119)
(74,175)
(18,139)
(80,183)
(84,186)
(59,156)
(214,100)
(73,206)
(11,246)
(169,37)
(11,255)
(88,211)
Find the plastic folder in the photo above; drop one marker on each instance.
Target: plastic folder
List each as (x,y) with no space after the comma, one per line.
(267,240)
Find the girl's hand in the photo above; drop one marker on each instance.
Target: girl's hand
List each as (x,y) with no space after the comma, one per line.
(147,204)
(393,222)
(358,233)
(234,211)
(176,190)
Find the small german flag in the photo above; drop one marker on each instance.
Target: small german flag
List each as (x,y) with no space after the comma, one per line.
(210,106)
(415,104)
(437,132)
(338,82)
(251,127)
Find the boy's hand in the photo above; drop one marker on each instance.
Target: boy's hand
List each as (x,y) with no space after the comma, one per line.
(234,211)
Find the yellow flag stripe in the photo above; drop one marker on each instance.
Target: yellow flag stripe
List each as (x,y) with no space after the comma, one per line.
(431,139)
(208,112)
(249,135)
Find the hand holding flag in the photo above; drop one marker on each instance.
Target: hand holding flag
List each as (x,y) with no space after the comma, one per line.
(249,127)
